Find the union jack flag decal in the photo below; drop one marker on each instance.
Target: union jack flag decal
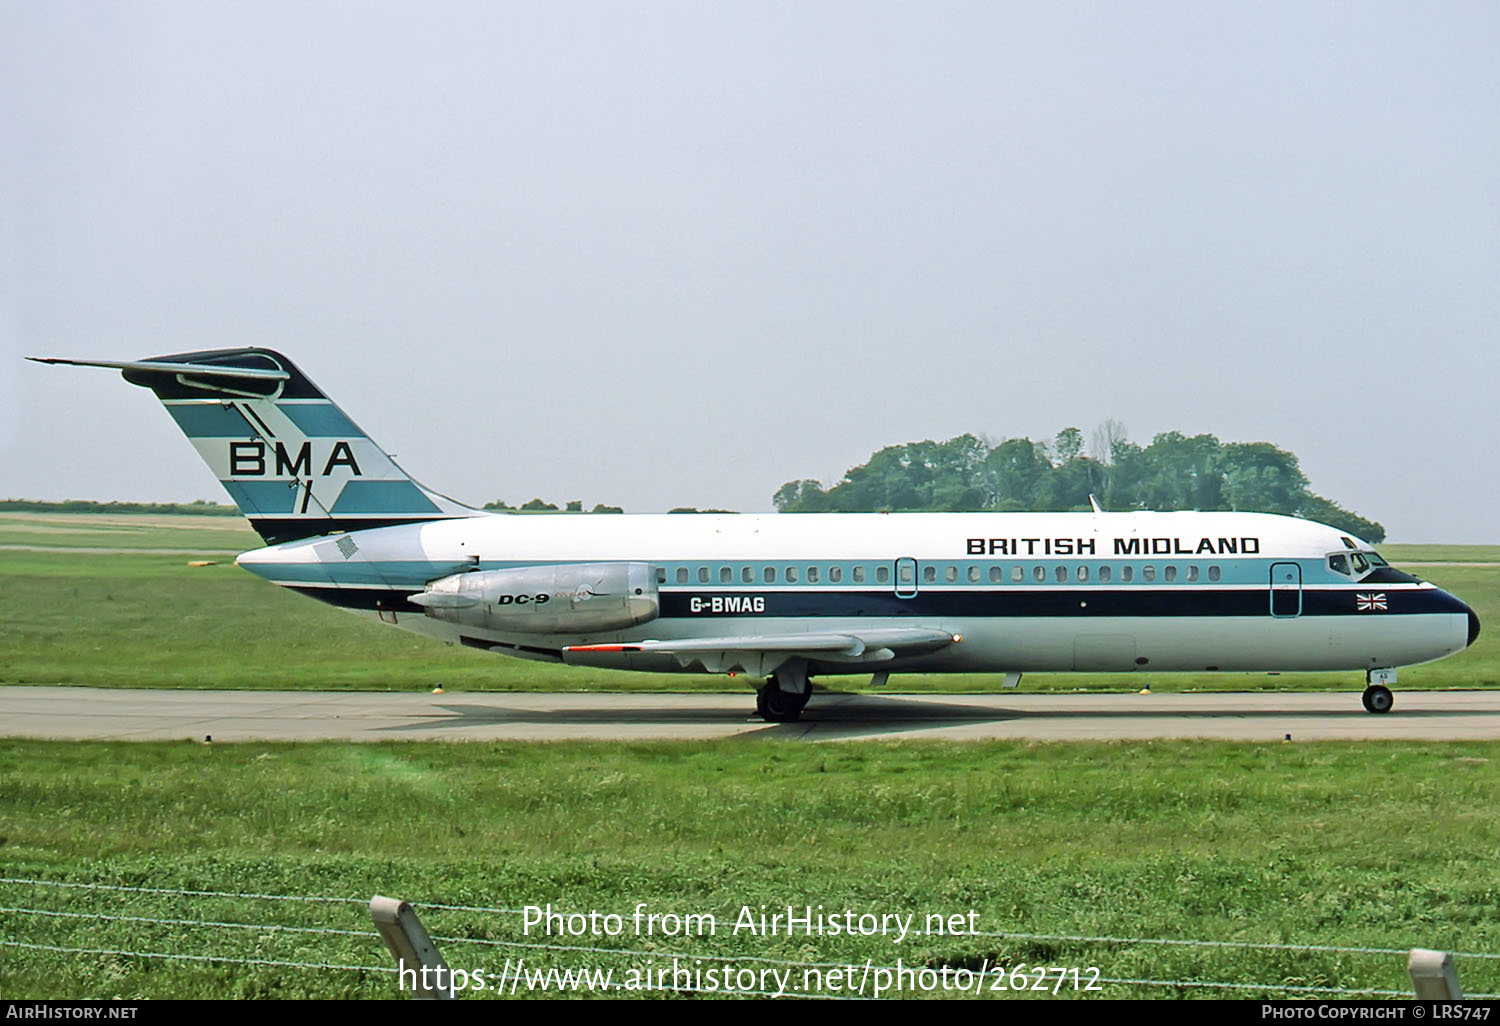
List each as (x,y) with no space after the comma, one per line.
(1373,602)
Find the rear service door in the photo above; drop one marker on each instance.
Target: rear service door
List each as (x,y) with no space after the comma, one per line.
(1286,589)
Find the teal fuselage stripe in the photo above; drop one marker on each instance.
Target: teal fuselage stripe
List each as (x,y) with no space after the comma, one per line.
(416,573)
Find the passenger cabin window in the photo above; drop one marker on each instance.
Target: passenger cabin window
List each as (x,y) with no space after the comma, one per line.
(883,575)
(929,574)
(1192,573)
(682,575)
(1127,574)
(747,574)
(950,574)
(1018,573)
(1061,573)
(770,575)
(1039,572)
(835,574)
(703,575)
(973,575)
(1104,575)
(1169,574)
(791,575)
(1213,573)
(812,575)
(1083,573)
(661,575)
(726,575)
(859,575)
(997,574)
(1148,573)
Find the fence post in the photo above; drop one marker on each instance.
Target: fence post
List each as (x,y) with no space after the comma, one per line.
(417,958)
(1432,975)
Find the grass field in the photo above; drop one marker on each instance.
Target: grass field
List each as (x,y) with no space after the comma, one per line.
(1347,845)
(109,600)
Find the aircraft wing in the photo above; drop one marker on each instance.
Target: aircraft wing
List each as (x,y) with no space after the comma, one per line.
(759,653)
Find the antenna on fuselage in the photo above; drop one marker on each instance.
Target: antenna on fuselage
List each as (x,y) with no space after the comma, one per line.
(1095,503)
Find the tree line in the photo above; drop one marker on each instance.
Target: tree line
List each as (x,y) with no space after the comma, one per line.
(541,506)
(576,506)
(1174,472)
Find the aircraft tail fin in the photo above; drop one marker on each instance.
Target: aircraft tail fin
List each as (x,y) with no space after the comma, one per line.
(291,460)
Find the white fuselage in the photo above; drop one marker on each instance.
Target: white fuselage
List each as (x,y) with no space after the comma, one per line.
(1024,591)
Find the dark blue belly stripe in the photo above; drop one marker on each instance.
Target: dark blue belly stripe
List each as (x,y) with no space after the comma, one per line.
(997,603)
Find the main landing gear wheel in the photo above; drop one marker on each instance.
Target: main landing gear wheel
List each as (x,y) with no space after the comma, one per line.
(1378,699)
(778,706)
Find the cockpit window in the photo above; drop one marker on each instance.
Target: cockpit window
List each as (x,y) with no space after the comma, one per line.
(1356,564)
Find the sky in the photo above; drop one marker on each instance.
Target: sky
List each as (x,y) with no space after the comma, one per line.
(676,254)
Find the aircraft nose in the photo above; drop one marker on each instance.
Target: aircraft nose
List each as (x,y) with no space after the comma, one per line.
(1473,625)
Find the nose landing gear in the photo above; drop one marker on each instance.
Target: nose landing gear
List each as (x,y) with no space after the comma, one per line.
(1377,697)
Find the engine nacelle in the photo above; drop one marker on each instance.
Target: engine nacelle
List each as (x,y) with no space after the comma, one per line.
(571,598)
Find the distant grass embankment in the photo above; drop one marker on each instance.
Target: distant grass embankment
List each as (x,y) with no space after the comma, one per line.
(1341,844)
(1399,554)
(206,534)
(199,507)
(132,613)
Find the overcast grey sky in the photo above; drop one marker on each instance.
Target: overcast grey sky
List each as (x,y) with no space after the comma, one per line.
(661,254)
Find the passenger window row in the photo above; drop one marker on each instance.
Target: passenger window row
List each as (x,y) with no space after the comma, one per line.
(951,574)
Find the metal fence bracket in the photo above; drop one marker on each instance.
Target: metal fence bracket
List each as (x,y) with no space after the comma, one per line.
(423,973)
(1432,975)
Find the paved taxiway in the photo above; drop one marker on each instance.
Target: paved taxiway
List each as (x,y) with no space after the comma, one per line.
(125,714)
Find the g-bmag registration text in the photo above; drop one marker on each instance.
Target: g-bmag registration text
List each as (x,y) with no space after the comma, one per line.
(749,921)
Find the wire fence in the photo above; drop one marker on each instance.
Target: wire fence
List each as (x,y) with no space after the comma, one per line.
(349,949)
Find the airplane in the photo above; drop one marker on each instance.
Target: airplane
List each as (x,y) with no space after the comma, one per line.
(788,597)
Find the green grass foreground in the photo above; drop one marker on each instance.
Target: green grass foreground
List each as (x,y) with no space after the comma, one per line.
(137,615)
(1349,845)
